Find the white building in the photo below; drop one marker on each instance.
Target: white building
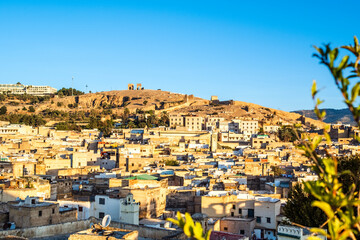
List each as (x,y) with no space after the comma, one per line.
(27,89)
(84,208)
(292,232)
(120,209)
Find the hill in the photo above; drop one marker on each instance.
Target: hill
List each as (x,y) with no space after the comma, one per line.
(332,115)
(113,103)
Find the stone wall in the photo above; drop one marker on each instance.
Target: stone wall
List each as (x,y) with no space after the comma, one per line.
(49,230)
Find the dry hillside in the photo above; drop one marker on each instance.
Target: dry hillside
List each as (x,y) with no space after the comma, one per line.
(160,101)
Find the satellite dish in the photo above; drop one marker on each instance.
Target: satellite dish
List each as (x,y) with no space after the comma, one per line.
(106,221)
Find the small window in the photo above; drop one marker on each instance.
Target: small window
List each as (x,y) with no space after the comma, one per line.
(80,209)
(250,213)
(32,201)
(258,219)
(40,213)
(240,212)
(225,228)
(233,207)
(53,211)
(268,220)
(101,214)
(242,232)
(232,214)
(102,201)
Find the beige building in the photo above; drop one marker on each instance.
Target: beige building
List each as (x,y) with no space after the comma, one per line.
(236,225)
(32,213)
(176,120)
(24,187)
(271,128)
(194,123)
(150,193)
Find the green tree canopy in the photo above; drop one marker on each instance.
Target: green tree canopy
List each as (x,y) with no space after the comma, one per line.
(69,92)
(298,208)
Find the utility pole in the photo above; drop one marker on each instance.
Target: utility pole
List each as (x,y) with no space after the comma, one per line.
(72,87)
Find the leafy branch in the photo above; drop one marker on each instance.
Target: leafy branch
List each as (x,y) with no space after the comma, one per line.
(338,205)
(191,229)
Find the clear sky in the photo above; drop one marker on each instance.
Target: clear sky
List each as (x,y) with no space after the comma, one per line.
(253,51)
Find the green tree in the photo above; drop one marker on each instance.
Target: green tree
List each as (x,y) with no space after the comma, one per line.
(69,92)
(3,110)
(170,162)
(277,171)
(287,134)
(31,109)
(298,208)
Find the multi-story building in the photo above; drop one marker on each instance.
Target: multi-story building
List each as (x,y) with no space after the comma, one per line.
(176,120)
(27,89)
(265,210)
(212,123)
(194,123)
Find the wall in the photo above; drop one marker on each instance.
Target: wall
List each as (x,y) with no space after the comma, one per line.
(149,232)
(49,230)
(111,207)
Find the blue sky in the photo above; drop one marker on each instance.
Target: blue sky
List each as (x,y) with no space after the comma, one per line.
(252,51)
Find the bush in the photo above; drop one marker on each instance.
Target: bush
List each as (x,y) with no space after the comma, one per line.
(171,162)
(3,110)
(69,92)
(31,109)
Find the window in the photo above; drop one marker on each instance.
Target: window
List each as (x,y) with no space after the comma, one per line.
(101,214)
(242,232)
(232,214)
(258,219)
(32,201)
(80,209)
(268,220)
(240,212)
(53,211)
(251,213)
(225,228)
(102,201)
(40,213)
(233,207)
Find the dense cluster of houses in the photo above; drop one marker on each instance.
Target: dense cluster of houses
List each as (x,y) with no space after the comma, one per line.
(222,172)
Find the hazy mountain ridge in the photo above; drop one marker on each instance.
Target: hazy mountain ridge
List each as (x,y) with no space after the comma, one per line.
(332,115)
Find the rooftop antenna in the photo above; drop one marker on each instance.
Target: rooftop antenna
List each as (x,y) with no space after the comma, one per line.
(72,87)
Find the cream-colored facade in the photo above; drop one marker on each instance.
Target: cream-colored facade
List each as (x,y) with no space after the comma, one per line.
(176,120)
(27,89)
(194,123)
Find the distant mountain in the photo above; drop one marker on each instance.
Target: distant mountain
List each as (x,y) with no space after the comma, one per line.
(332,115)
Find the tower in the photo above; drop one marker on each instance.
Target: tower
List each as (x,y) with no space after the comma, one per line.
(130,210)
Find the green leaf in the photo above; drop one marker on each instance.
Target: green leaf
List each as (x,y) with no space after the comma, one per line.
(355,91)
(343,63)
(313,89)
